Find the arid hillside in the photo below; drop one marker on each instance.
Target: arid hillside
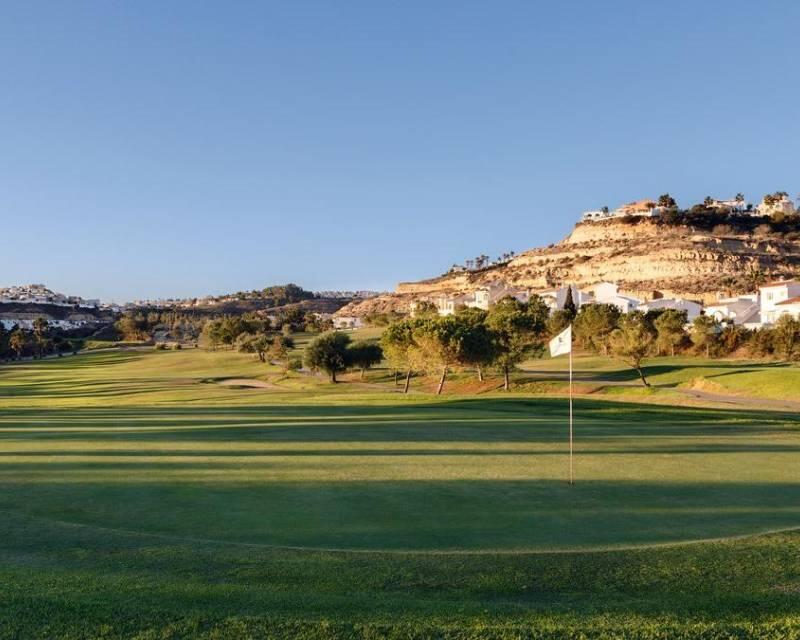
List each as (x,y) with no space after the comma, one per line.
(647,258)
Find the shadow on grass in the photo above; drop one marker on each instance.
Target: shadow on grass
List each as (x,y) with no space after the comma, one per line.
(410,514)
(462,420)
(628,375)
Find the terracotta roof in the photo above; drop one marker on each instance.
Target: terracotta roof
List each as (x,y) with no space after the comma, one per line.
(778,283)
(795,300)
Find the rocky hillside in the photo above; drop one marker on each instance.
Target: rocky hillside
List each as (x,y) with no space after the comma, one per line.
(647,258)
(17,311)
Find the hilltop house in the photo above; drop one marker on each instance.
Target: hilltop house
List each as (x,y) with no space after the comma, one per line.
(732,205)
(779,298)
(646,208)
(596,214)
(692,309)
(776,203)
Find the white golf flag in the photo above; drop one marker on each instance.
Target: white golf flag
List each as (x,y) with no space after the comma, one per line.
(562,343)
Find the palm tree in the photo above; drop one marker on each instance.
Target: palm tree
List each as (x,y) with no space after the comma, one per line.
(40,327)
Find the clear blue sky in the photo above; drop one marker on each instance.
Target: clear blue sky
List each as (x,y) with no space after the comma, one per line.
(183,148)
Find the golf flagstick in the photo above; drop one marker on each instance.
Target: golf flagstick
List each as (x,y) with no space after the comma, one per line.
(560,345)
(571,466)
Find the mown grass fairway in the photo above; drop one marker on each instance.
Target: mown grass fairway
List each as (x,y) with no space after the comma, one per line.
(138,496)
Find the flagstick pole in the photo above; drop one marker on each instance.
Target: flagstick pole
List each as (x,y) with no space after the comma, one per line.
(571,468)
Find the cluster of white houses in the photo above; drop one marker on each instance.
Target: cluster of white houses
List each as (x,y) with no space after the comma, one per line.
(770,205)
(40,294)
(751,311)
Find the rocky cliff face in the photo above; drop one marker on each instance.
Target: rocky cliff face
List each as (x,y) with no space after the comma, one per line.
(646,258)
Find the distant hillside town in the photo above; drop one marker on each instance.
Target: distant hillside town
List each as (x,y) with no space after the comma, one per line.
(273,296)
(40,294)
(772,205)
(21,305)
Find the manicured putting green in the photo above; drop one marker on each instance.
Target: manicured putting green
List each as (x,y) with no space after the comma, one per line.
(376,471)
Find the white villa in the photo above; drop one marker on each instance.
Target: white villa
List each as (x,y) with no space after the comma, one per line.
(770,205)
(742,310)
(779,298)
(556,298)
(486,296)
(692,309)
(732,205)
(347,322)
(608,293)
(751,311)
(646,208)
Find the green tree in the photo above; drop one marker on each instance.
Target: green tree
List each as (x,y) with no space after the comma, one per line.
(670,332)
(17,342)
(786,334)
(569,304)
(704,333)
(437,346)
(279,348)
(594,323)
(731,338)
(230,328)
(364,355)
(328,353)
(254,343)
(41,330)
(478,347)
(396,342)
(631,341)
(667,201)
(212,333)
(558,321)
(518,330)
(425,309)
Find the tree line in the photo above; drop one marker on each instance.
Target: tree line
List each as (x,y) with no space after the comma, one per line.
(141,325)
(511,331)
(38,341)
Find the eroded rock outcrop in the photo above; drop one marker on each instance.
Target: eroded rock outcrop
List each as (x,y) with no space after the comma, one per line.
(647,258)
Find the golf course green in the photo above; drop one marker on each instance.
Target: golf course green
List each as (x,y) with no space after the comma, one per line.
(200,508)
